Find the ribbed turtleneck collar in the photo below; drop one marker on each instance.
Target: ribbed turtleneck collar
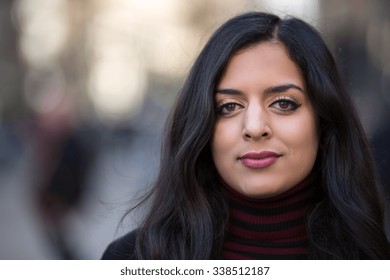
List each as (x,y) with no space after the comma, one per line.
(271,228)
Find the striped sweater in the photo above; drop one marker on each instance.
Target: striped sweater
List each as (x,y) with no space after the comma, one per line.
(272,228)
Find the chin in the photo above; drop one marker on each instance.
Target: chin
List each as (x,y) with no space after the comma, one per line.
(260,192)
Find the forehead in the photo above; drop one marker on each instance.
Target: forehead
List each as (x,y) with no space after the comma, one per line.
(267,62)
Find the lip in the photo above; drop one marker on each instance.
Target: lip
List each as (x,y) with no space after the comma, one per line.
(259,160)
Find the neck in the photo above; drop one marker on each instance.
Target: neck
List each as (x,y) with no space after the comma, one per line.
(272,228)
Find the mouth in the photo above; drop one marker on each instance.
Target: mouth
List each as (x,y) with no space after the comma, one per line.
(256,160)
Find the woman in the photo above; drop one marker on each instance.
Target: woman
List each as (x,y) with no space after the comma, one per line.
(264,156)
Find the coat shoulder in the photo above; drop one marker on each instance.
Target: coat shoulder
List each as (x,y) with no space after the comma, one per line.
(122,248)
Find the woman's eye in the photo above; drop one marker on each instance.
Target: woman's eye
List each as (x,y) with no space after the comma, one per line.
(228,108)
(285,105)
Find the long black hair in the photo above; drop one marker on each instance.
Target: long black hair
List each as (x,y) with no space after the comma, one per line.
(188,213)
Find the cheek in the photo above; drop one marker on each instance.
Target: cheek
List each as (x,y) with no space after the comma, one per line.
(224,139)
(301,137)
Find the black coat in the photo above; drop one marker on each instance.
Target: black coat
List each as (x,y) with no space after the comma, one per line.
(122,248)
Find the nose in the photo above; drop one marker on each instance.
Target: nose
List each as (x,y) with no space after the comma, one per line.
(256,125)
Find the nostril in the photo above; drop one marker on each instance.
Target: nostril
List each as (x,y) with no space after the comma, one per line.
(256,132)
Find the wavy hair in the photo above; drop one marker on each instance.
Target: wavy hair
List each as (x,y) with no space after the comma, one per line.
(188,214)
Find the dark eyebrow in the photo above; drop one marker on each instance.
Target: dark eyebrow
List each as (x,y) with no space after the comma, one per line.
(228,91)
(274,89)
(283,88)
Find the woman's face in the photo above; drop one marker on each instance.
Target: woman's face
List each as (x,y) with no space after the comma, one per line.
(266,138)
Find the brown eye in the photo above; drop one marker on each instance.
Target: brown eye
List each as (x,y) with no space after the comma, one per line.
(285,105)
(227,108)
(230,107)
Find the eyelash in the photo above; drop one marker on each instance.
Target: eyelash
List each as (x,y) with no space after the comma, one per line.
(278,100)
(224,105)
(287,100)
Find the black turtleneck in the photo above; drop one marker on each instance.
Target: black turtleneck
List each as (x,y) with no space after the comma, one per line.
(271,228)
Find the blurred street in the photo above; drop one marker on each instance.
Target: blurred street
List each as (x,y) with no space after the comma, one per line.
(126,163)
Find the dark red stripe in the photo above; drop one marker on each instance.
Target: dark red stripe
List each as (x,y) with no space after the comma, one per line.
(265,250)
(290,234)
(274,219)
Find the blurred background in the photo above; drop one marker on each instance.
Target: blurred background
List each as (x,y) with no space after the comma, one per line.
(85,87)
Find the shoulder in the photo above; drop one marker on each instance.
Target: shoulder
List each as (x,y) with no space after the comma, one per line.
(121,248)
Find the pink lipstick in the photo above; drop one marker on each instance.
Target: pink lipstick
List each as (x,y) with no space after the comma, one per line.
(259,160)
